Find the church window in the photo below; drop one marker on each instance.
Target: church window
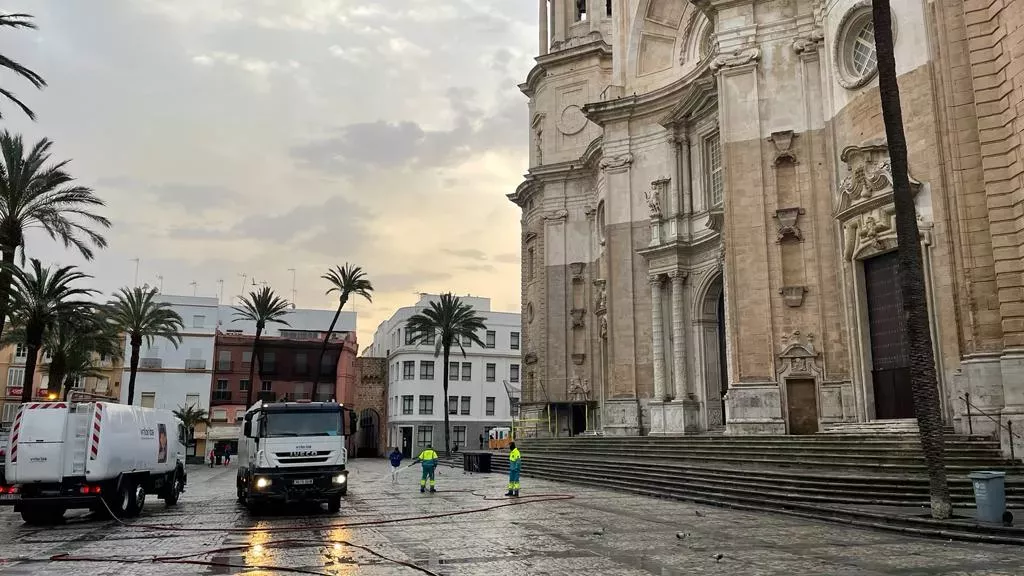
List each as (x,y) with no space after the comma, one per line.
(856,59)
(581,10)
(529,264)
(608,7)
(713,169)
(707,42)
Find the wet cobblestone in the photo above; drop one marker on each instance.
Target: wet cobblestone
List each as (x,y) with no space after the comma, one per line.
(596,532)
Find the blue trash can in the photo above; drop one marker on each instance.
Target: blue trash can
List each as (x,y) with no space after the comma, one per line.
(989,495)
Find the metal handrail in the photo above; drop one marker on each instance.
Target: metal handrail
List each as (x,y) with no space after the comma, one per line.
(999,424)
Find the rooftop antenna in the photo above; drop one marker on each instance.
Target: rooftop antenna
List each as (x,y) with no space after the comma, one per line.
(160,279)
(195,286)
(294,293)
(136,260)
(241,291)
(220,293)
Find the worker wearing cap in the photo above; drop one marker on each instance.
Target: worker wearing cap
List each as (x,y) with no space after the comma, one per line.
(428,461)
(514,464)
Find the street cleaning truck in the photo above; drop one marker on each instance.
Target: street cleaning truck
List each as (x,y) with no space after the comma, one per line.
(293,452)
(98,455)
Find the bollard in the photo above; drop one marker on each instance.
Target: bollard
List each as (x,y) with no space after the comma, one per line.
(989,495)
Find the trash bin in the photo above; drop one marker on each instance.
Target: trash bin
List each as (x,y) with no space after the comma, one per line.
(989,495)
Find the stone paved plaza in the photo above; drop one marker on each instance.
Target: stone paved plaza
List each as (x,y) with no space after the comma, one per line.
(596,532)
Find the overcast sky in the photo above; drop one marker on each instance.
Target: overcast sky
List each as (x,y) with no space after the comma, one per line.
(238,137)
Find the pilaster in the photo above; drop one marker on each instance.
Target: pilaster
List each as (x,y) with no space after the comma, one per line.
(678,277)
(658,337)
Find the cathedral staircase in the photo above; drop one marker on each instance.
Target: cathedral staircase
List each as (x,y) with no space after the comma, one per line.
(855,477)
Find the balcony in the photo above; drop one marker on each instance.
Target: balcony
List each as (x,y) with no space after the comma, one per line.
(221,396)
(267,396)
(151,363)
(225,366)
(269,368)
(195,364)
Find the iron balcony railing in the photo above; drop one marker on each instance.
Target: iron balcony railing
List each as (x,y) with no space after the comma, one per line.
(195,364)
(151,363)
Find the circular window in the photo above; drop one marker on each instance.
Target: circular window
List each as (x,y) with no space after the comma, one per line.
(529,313)
(855,56)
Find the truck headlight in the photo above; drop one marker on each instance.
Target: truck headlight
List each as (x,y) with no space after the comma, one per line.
(262,482)
(340,479)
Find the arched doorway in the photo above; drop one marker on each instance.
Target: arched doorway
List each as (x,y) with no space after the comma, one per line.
(709,318)
(367,442)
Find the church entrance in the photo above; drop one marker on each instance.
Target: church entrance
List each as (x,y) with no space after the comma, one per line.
(723,363)
(711,327)
(890,350)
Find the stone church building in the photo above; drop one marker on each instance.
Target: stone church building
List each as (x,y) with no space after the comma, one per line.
(707,223)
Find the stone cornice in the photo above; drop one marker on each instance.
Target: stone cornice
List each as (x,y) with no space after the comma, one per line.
(651,102)
(700,96)
(678,247)
(573,49)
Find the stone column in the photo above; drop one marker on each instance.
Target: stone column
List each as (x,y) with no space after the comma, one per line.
(678,335)
(658,335)
(545,38)
(685,179)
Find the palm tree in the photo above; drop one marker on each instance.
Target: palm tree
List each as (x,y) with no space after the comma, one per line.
(345,280)
(34,193)
(19,21)
(73,345)
(922,362)
(138,314)
(260,306)
(40,297)
(448,322)
(191,416)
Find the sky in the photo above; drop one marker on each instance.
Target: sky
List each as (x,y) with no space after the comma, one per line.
(233,137)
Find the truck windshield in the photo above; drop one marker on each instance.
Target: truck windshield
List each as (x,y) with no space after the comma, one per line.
(303,424)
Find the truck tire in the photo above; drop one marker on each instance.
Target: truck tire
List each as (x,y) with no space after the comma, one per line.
(334,505)
(174,489)
(120,499)
(137,500)
(42,515)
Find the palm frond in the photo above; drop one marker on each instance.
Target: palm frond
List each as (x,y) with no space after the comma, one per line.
(262,306)
(450,321)
(138,313)
(348,280)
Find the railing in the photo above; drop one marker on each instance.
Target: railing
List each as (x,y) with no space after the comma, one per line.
(151,363)
(221,396)
(999,424)
(195,364)
(225,365)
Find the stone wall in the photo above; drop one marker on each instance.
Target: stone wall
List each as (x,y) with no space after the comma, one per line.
(371,392)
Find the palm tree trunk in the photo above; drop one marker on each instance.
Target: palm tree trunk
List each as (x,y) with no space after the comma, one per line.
(5,284)
(30,370)
(323,350)
(922,361)
(252,366)
(444,400)
(133,367)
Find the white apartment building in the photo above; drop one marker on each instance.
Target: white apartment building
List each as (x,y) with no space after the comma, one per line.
(477,399)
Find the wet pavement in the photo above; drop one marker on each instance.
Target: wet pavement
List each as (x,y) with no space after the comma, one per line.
(383,530)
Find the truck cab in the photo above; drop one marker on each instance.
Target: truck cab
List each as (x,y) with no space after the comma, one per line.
(293,452)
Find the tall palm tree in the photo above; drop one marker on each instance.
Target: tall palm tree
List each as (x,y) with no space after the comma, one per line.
(19,21)
(345,280)
(450,322)
(36,193)
(922,361)
(137,313)
(260,306)
(74,344)
(40,297)
(191,416)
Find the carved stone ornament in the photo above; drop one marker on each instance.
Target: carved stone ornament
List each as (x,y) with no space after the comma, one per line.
(653,197)
(578,359)
(735,58)
(716,220)
(871,232)
(576,269)
(793,296)
(577,317)
(529,358)
(579,389)
(557,215)
(870,178)
(798,357)
(571,120)
(783,142)
(603,328)
(809,43)
(538,130)
(600,297)
(787,222)
(616,163)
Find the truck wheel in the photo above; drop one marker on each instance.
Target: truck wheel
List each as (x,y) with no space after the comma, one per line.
(42,516)
(254,507)
(334,505)
(136,500)
(120,501)
(174,490)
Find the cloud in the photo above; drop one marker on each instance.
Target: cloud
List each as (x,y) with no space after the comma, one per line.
(194,195)
(509,258)
(468,253)
(409,281)
(478,267)
(355,55)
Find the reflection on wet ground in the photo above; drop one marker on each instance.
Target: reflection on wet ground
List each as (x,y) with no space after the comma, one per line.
(468,528)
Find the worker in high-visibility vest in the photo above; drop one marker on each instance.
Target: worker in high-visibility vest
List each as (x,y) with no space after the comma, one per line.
(428,462)
(514,465)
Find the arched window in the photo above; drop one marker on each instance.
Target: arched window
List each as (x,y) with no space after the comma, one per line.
(714,181)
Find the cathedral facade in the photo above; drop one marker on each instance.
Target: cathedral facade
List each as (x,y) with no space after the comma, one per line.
(707,222)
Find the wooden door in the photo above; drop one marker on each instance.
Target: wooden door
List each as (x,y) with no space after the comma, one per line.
(801,406)
(890,350)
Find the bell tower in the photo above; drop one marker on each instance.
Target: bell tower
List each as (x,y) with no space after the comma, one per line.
(563,20)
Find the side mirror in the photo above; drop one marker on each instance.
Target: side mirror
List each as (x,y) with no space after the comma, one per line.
(247,429)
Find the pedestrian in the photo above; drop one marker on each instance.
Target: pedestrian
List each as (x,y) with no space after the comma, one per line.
(396,460)
(481,441)
(514,466)
(227,455)
(428,460)
(213,456)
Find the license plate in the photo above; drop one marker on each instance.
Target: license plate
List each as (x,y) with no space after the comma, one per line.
(9,496)
(302,482)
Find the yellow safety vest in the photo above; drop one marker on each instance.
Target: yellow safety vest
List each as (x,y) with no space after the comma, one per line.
(428,454)
(513,455)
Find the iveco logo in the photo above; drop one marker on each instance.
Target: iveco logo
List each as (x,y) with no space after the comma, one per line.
(304,453)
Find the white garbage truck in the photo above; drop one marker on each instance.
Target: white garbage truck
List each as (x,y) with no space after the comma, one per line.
(97,455)
(293,452)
